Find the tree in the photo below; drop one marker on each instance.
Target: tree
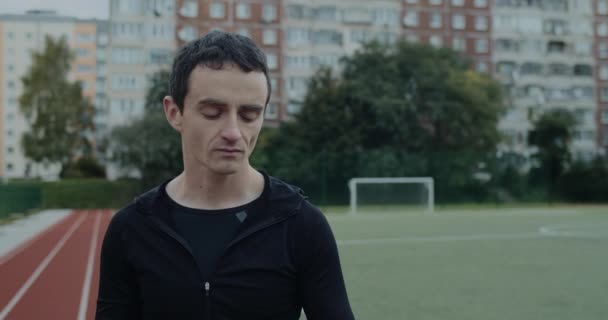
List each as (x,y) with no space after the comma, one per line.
(59,116)
(401,109)
(551,136)
(150,144)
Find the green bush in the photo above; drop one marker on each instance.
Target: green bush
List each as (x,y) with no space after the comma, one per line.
(89,193)
(18,198)
(584,182)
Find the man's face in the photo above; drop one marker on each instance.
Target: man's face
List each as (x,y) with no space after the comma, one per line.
(222,117)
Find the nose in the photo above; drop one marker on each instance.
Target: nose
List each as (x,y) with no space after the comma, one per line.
(230,132)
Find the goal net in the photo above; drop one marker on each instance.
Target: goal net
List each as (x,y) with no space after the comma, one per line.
(391,194)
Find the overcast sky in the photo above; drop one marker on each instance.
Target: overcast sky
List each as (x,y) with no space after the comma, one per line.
(84,9)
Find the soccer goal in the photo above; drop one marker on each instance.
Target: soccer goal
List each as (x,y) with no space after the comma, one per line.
(391,194)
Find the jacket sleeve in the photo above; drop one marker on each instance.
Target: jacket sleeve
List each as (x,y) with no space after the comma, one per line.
(118,292)
(320,283)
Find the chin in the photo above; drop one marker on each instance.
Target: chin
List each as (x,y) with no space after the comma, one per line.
(226,169)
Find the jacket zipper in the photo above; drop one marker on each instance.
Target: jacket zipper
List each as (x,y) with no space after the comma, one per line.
(159,224)
(207,302)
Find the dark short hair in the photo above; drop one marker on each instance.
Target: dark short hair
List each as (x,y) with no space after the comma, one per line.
(213,51)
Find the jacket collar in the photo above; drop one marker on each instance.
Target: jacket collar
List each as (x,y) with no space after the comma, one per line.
(281,200)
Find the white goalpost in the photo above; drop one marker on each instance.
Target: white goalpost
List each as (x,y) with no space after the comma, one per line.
(426,182)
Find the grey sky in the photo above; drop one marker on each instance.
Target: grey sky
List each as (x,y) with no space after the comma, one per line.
(78,8)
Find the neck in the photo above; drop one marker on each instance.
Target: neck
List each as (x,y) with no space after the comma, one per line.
(203,189)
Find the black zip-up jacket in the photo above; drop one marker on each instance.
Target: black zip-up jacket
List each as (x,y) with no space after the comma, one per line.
(281,260)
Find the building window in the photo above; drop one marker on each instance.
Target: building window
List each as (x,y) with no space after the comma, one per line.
(458,22)
(458,3)
(82,52)
(126,56)
(159,56)
(10,149)
(388,17)
(435,20)
(413,38)
(359,35)
(189,9)
(480,3)
(83,68)
(269,12)
(85,38)
(243,11)
(325,13)
(481,45)
(602,50)
(126,82)
(604,94)
(244,32)
(531,68)
(603,72)
(187,33)
(559,69)
(604,117)
(269,37)
(481,67)
(216,10)
(602,7)
(29,36)
(10,84)
(602,29)
(10,35)
(583,70)
(410,19)
(102,40)
(459,44)
(436,41)
(293,107)
(272,61)
(435,2)
(411,1)
(9,167)
(481,23)
(582,48)
(327,37)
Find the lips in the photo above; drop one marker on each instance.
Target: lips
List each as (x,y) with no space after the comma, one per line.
(228,150)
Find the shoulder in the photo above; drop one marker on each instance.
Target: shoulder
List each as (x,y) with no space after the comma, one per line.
(121,219)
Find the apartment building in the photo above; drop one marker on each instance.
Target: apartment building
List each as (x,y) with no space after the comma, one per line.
(141,42)
(463,25)
(600,53)
(318,32)
(20,36)
(543,55)
(101,98)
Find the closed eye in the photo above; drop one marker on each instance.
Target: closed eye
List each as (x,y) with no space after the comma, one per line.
(250,113)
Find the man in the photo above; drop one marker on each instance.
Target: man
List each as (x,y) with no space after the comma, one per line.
(221,240)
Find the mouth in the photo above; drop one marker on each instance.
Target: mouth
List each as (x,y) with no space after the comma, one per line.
(229,150)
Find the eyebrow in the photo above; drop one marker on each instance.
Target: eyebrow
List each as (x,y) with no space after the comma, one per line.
(217,102)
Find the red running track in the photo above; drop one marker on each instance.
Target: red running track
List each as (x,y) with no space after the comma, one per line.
(56,274)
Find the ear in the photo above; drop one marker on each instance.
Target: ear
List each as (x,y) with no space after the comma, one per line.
(172,113)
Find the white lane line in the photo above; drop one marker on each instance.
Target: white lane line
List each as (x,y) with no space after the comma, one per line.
(84,297)
(33,239)
(440,238)
(40,268)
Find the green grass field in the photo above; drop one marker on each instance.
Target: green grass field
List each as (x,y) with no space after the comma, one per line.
(476,263)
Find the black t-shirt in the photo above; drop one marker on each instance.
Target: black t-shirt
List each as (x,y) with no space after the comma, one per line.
(208,232)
